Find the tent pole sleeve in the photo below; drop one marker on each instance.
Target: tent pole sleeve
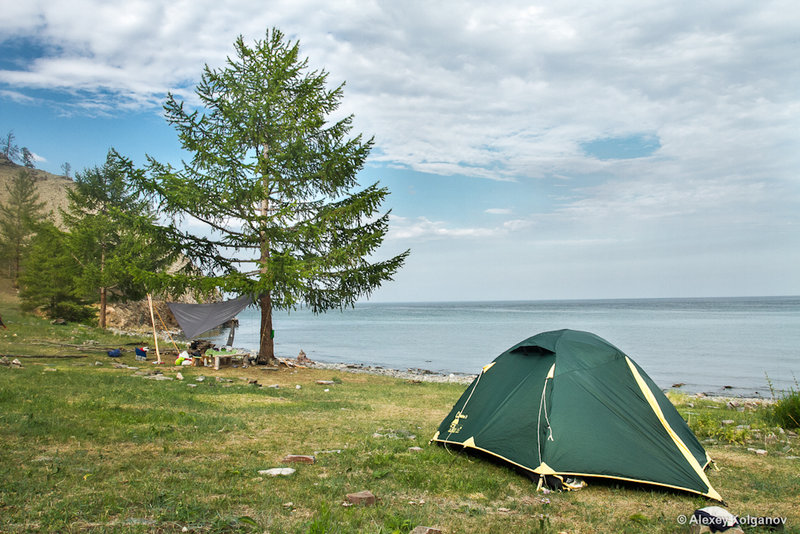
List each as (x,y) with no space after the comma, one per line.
(651,400)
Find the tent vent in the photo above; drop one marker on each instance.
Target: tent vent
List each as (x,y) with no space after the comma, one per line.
(532,350)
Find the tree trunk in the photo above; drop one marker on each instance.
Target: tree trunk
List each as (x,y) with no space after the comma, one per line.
(102,307)
(102,288)
(266,348)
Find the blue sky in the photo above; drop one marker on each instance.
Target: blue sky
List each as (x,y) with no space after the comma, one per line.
(534,150)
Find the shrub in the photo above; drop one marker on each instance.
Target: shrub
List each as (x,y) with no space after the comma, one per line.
(786,411)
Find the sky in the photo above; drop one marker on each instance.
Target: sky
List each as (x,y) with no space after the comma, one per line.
(534,150)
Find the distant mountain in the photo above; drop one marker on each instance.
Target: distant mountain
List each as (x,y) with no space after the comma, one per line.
(52,187)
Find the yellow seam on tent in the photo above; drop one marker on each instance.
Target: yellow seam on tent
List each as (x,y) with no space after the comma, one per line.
(675,438)
(713,494)
(552,372)
(472,445)
(488,366)
(470,442)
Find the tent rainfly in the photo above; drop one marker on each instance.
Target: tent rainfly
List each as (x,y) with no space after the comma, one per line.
(569,404)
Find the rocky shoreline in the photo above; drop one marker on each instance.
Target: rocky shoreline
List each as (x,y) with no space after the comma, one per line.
(421,375)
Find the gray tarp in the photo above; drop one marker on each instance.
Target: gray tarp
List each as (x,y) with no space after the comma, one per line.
(194,319)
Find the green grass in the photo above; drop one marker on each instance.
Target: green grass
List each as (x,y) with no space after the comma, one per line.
(100,449)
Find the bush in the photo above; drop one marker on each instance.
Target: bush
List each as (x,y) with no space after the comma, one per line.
(786,411)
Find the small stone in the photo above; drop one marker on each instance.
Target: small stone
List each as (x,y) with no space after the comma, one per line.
(278,471)
(325,382)
(179,376)
(678,385)
(288,505)
(326,390)
(425,530)
(51,369)
(298,459)
(274,386)
(192,385)
(297,386)
(415,449)
(761,452)
(503,510)
(727,421)
(98,363)
(200,378)
(16,362)
(365,498)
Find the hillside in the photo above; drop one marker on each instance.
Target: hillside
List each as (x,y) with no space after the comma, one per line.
(52,187)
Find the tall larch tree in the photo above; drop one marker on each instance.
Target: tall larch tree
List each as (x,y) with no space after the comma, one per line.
(273,182)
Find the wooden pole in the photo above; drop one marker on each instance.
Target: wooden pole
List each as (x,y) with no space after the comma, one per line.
(153,320)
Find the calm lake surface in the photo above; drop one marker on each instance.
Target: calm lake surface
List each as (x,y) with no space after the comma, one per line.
(706,343)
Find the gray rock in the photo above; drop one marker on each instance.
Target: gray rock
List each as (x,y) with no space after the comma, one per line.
(278,471)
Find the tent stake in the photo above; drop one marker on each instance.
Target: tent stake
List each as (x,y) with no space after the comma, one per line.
(153,321)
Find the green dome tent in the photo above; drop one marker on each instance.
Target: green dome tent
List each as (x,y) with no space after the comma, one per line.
(568,403)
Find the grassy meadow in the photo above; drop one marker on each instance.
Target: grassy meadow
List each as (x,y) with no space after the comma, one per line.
(95,448)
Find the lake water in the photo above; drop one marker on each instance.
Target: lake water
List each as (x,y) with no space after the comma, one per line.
(705,343)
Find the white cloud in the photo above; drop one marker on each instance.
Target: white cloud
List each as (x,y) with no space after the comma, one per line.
(498,211)
(517,224)
(423,228)
(502,91)
(16,96)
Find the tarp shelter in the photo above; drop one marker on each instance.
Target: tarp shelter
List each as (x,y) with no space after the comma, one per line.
(570,404)
(194,319)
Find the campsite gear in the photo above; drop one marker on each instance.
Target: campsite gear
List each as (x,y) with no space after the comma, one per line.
(115,353)
(141,353)
(569,404)
(155,334)
(194,319)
